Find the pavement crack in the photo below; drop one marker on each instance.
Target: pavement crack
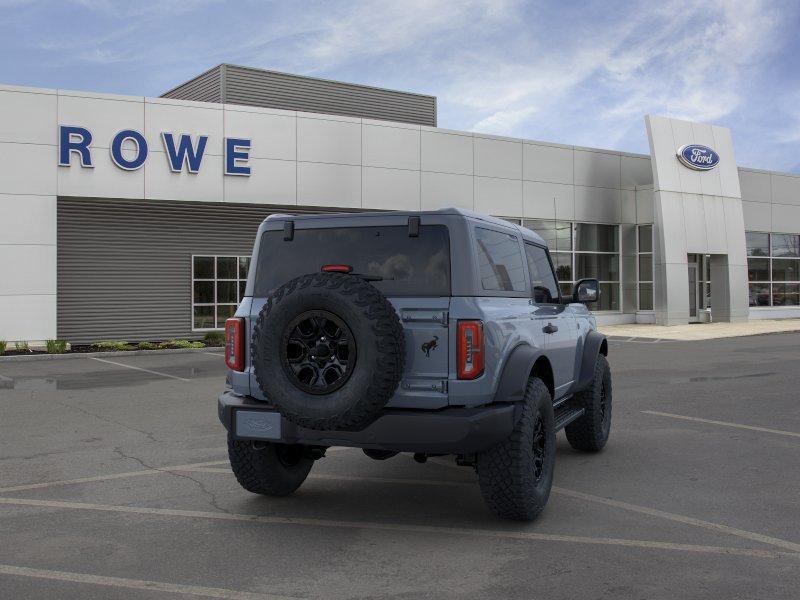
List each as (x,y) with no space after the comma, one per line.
(212,497)
(89,413)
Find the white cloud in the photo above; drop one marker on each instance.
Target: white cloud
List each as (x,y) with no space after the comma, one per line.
(670,60)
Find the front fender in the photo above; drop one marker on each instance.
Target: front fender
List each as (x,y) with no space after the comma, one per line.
(516,372)
(594,344)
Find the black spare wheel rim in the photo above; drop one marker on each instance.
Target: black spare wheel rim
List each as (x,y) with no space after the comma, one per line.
(328,351)
(319,352)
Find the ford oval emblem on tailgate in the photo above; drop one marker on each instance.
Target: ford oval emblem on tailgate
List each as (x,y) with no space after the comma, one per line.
(697,157)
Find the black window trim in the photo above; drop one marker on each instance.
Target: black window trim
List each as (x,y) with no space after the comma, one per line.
(552,270)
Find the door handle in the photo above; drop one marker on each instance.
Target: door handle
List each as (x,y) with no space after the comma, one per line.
(549,328)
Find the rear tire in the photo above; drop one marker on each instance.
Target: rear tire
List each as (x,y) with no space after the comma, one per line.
(516,475)
(590,432)
(270,469)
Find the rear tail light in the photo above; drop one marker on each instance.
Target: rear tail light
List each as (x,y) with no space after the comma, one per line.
(234,344)
(337,268)
(470,349)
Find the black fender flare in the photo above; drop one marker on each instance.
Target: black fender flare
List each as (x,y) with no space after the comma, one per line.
(594,344)
(516,372)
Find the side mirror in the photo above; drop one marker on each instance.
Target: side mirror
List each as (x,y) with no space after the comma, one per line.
(586,290)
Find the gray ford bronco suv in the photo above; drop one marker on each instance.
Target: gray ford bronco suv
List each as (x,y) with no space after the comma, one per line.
(441,332)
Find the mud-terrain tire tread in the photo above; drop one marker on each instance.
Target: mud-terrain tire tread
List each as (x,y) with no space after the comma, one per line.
(384,326)
(261,472)
(505,471)
(588,432)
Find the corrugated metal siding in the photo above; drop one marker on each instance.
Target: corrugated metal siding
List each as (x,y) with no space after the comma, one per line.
(124,266)
(270,89)
(206,87)
(279,90)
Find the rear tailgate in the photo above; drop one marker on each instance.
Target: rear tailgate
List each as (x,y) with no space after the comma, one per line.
(425,325)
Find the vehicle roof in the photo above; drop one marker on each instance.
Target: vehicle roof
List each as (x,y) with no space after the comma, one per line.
(449,211)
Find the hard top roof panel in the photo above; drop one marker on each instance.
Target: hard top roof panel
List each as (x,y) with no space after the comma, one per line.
(450,211)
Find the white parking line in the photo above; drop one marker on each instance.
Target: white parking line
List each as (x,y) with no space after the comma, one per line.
(324,476)
(654,512)
(111,362)
(398,527)
(139,473)
(138,584)
(723,423)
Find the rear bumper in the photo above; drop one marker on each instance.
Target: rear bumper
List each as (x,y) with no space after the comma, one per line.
(446,431)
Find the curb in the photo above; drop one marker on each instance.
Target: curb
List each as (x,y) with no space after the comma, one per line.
(76,355)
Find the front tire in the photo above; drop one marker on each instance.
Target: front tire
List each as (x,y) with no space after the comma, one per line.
(268,469)
(590,432)
(516,475)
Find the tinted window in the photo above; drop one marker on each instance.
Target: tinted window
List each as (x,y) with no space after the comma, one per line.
(410,266)
(596,238)
(758,269)
(757,243)
(604,267)
(500,261)
(556,234)
(543,281)
(645,238)
(785,244)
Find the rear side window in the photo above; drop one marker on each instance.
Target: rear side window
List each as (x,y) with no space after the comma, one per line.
(543,281)
(500,261)
(409,266)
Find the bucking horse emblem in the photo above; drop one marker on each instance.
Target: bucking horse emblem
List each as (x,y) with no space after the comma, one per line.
(430,345)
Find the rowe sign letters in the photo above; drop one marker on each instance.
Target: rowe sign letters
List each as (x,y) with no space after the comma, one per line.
(181,151)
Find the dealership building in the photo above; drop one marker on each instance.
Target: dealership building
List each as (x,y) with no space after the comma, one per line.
(133,218)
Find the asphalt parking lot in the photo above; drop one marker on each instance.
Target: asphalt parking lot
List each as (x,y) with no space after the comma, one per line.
(114,484)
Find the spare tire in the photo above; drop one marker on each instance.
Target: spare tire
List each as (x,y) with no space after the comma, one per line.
(328,351)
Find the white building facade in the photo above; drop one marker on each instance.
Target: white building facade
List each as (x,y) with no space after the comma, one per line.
(133,218)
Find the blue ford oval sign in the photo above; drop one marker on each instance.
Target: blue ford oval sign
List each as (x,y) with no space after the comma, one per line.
(697,157)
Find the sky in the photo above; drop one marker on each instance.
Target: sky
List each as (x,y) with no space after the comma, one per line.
(581,73)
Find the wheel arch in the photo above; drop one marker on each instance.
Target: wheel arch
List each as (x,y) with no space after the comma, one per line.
(594,345)
(523,362)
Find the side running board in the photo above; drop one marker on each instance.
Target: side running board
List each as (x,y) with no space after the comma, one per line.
(566,411)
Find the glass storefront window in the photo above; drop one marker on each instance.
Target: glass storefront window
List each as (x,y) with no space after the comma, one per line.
(596,238)
(644,249)
(757,243)
(218,284)
(645,267)
(204,267)
(609,297)
(758,269)
(604,267)
(645,238)
(785,244)
(556,234)
(759,294)
(785,269)
(774,275)
(645,296)
(786,294)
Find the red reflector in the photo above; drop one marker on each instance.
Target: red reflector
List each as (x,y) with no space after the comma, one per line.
(234,343)
(469,352)
(337,268)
